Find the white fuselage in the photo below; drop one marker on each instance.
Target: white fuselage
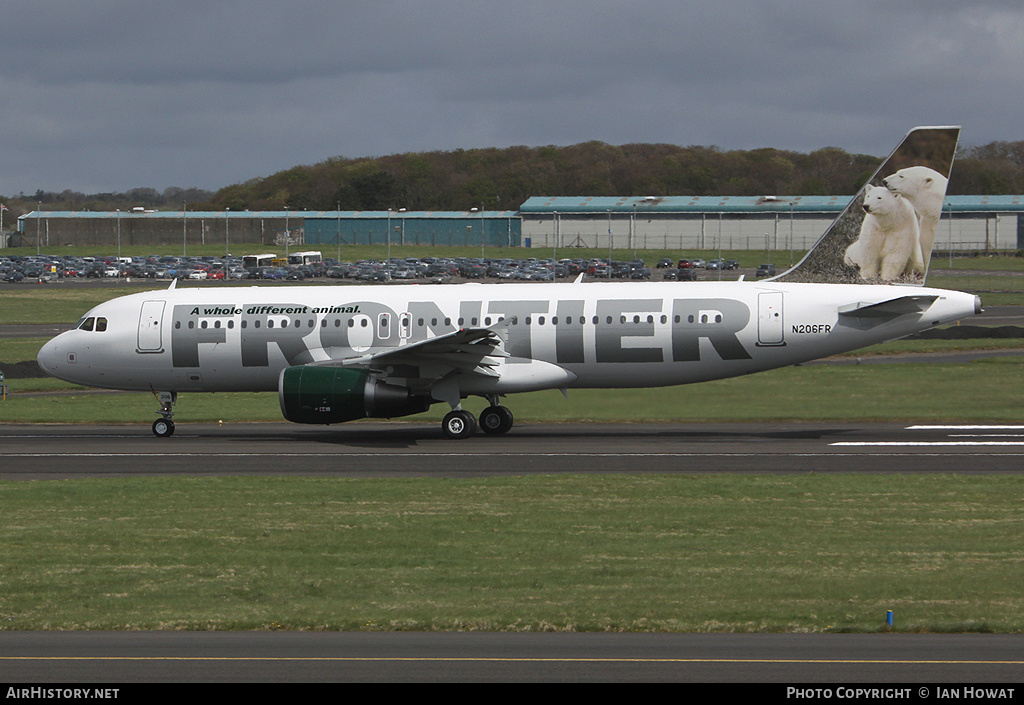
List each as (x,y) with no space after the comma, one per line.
(600,334)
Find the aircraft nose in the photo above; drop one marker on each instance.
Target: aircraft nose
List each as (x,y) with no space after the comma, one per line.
(49,357)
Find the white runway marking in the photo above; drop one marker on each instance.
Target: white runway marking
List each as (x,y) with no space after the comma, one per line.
(949,427)
(965,428)
(926,443)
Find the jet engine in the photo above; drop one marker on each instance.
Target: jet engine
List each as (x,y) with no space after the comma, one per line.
(325,395)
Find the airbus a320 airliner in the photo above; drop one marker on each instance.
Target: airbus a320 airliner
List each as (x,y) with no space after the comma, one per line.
(336,354)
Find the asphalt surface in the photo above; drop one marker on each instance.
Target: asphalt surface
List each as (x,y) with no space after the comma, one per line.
(34,452)
(120,659)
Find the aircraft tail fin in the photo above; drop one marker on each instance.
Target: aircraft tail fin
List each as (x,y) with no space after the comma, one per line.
(886,233)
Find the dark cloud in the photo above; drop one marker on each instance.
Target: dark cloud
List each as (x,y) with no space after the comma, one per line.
(114,95)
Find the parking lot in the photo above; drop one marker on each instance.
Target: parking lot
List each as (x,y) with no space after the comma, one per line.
(106,269)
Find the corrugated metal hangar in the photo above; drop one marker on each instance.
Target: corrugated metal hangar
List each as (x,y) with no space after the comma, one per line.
(139,227)
(640,223)
(745,222)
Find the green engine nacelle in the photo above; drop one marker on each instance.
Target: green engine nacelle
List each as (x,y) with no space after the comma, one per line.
(325,395)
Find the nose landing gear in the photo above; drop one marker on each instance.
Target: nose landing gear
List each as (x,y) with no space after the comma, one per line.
(164,427)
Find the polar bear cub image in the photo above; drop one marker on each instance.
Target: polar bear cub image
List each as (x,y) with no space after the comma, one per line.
(926,190)
(889,244)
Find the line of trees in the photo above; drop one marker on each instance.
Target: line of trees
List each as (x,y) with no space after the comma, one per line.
(502,179)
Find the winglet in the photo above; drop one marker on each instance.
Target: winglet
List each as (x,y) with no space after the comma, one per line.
(885,234)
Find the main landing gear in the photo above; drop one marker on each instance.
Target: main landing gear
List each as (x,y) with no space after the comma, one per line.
(494,420)
(164,427)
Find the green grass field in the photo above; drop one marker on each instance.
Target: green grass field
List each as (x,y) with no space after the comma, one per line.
(986,390)
(801,553)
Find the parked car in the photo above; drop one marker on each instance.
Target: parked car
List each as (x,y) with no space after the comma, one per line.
(765,270)
(686,275)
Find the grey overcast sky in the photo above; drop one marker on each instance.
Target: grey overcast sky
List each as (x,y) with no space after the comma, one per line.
(110,95)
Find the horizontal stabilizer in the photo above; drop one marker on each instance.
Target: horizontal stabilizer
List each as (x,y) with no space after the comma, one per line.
(889,309)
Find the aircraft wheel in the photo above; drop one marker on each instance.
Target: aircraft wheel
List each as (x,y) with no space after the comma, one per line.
(163,428)
(496,420)
(458,425)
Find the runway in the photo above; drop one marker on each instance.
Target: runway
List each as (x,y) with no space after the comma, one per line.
(34,452)
(123,658)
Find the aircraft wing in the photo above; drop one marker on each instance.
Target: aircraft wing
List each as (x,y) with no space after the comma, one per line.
(468,350)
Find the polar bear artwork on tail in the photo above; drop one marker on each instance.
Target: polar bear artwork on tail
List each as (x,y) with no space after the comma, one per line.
(889,244)
(926,190)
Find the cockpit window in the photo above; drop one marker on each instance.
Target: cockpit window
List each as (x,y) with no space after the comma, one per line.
(93,324)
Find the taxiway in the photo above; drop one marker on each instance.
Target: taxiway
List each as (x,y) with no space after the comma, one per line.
(407,449)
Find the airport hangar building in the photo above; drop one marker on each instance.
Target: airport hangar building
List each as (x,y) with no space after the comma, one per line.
(776,223)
